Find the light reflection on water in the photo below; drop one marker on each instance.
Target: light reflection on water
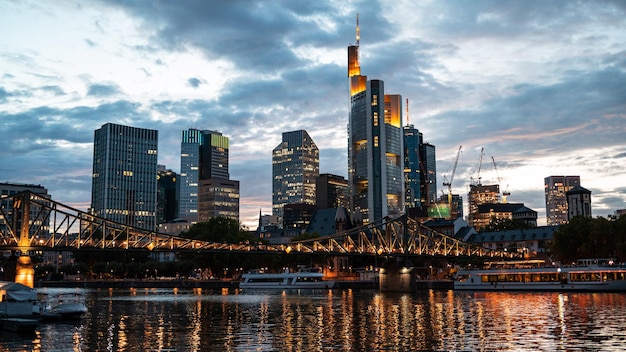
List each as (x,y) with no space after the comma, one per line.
(339,320)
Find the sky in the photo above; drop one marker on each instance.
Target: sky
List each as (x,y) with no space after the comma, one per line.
(540,85)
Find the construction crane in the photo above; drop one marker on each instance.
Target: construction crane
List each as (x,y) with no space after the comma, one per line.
(480,164)
(506,192)
(449,183)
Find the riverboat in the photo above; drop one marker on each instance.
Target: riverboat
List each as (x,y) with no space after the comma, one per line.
(304,278)
(593,275)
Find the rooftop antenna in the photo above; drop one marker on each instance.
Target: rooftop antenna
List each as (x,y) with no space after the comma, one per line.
(407,112)
(358,37)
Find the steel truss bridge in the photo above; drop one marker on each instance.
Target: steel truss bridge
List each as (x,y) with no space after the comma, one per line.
(30,222)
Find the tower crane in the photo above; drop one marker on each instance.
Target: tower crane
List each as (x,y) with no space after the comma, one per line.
(480,163)
(506,192)
(449,183)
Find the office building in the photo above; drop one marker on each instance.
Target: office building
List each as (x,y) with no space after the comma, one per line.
(331,191)
(167,195)
(555,188)
(203,156)
(218,197)
(124,183)
(375,152)
(295,167)
(578,202)
(38,217)
(480,194)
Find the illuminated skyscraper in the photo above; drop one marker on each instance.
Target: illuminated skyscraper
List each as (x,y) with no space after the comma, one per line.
(375,152)
(295,166)
(203,156)
(555,188)
(124,183)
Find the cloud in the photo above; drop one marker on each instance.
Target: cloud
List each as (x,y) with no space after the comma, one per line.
(103,90)
(194,82)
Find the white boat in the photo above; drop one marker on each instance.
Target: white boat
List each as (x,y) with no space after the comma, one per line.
(16,307)
(61,305)
(305,278)
(16,300)
(594,275)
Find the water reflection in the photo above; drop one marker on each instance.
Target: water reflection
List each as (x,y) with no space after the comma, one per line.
(340,320)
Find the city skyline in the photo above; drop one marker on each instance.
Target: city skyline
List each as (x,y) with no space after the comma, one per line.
(538,85)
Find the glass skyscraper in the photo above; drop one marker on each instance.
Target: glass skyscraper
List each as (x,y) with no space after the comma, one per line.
(203,156)
(124,182)
(412,166)
(375,152)
(555,189)
(295,167)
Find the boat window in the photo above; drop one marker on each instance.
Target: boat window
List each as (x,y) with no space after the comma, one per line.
(591,276)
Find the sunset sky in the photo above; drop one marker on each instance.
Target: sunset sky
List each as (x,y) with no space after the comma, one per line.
(540,85)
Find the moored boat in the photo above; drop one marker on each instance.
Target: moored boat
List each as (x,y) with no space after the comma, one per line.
(16,307)
(61,306)
(594,275)
(304,278)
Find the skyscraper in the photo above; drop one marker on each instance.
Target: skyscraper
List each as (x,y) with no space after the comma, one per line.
(428,157)
(331,192)
(555,188)
(375,152)
(295,166)
(124,183)
(167,195)
(203,157)
(412,169)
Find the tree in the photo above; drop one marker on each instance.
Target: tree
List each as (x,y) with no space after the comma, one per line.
(503,224)
(219,229)
(586,237)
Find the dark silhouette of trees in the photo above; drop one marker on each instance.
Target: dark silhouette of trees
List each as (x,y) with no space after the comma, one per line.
(586,237)
(503,224)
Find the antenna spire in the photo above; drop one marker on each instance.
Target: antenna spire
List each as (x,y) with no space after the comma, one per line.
(407,112)
(358,31)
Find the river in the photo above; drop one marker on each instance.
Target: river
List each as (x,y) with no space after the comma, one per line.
(334,320)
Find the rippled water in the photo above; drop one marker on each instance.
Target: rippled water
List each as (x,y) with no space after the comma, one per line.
(348,320)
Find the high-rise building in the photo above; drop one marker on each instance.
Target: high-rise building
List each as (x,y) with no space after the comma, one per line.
(295,166)
(203,156)
(124,183)
(167,195)
(331,191)
(375,152)
(38,217)
(555,188)
(428,187)
(478,195)
(578,202)
(218,197)
(412,168)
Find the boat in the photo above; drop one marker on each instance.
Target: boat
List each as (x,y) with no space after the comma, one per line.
(16,307)
(303,278)
(61,306)
(593,275)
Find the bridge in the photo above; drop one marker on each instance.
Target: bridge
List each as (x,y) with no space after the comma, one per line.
(31,222)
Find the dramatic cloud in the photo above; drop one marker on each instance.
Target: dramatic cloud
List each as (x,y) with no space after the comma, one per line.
(539,85)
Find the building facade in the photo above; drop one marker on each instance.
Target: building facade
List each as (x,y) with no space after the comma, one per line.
(578,202)
(412,167)
(124,183)
(375,145)
(13,217)
(203,156)
(331,191)
(295,167)
(478,195)
(555,188)
(167,195)
(218,197)
(428,186)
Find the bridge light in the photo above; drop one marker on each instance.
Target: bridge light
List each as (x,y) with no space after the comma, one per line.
(288,249)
